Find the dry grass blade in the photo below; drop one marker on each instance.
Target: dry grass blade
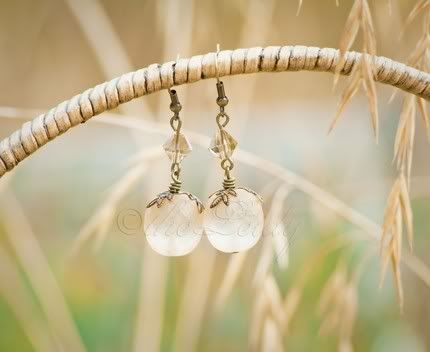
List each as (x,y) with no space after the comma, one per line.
(234,267)
(266,254)
(21,304)
(348,93)
(389,250)
(299,7)
(424,115)
(419,7)
(195,299)
(271,289)
(272,338)
(395,246)
(294,296)
(329,300)
(359,17)
(417,56)
(349,35)
(264,263)
(267,306)
(349,316)
(259,310)
(99,224)
(338,306)
(399,285)
(102,37)
(391,209)
(150,306)
(404,142)
(398,213)
(291,305)
(42,279)
(275,226)
(370,89)
(369,40)
(405,205)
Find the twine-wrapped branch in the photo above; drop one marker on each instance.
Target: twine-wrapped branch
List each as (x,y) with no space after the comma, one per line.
(44,128)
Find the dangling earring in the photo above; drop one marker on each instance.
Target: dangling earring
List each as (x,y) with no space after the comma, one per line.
(173,220)
(234,217)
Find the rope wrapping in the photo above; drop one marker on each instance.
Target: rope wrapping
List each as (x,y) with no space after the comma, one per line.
(108,95)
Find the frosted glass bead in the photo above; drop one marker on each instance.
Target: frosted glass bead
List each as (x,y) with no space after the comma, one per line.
(237,226)
(173,224)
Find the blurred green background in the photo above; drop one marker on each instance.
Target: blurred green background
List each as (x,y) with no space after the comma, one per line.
(124,297)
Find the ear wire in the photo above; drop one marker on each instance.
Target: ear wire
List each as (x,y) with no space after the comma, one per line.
(216,63)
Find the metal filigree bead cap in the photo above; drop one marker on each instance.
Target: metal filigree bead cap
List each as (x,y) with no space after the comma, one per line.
(234,219)
(173,223)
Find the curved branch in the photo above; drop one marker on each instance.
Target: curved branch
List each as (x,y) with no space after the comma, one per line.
(109,95)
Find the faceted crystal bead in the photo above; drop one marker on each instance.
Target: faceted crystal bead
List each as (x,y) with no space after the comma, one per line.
(182,146)
(175,227)
(222,144)
(237,226)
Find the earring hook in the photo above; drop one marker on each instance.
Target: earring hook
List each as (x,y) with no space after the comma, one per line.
(216,63)
(175,105)
(177,59)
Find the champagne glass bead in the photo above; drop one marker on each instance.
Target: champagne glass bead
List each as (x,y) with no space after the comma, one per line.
(223,144)
(234,220)
(177,144)
(173,224)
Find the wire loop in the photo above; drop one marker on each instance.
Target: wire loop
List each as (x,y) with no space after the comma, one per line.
(176,123)
(221,124)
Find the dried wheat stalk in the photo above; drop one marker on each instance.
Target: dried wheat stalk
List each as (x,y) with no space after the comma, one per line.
(42,280)
(419,58)
(338,306)
(267,319)
(269,306)
(404,142)
(98,225)
(363,73)
(15,293)
(420,7)
(398,212)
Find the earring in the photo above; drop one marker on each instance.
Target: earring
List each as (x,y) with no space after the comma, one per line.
(234,217)
(173,220)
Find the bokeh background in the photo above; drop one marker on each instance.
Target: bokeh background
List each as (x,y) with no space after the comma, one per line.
(71,280)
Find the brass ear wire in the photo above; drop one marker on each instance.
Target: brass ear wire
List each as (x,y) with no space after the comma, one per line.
(216,63)
(234,219)
(222,119)
(173,219)
(176,124)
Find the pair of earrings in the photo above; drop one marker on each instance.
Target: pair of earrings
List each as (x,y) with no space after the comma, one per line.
(175,221)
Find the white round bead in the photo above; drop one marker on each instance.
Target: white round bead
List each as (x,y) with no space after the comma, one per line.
(237,226)
(175,227)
